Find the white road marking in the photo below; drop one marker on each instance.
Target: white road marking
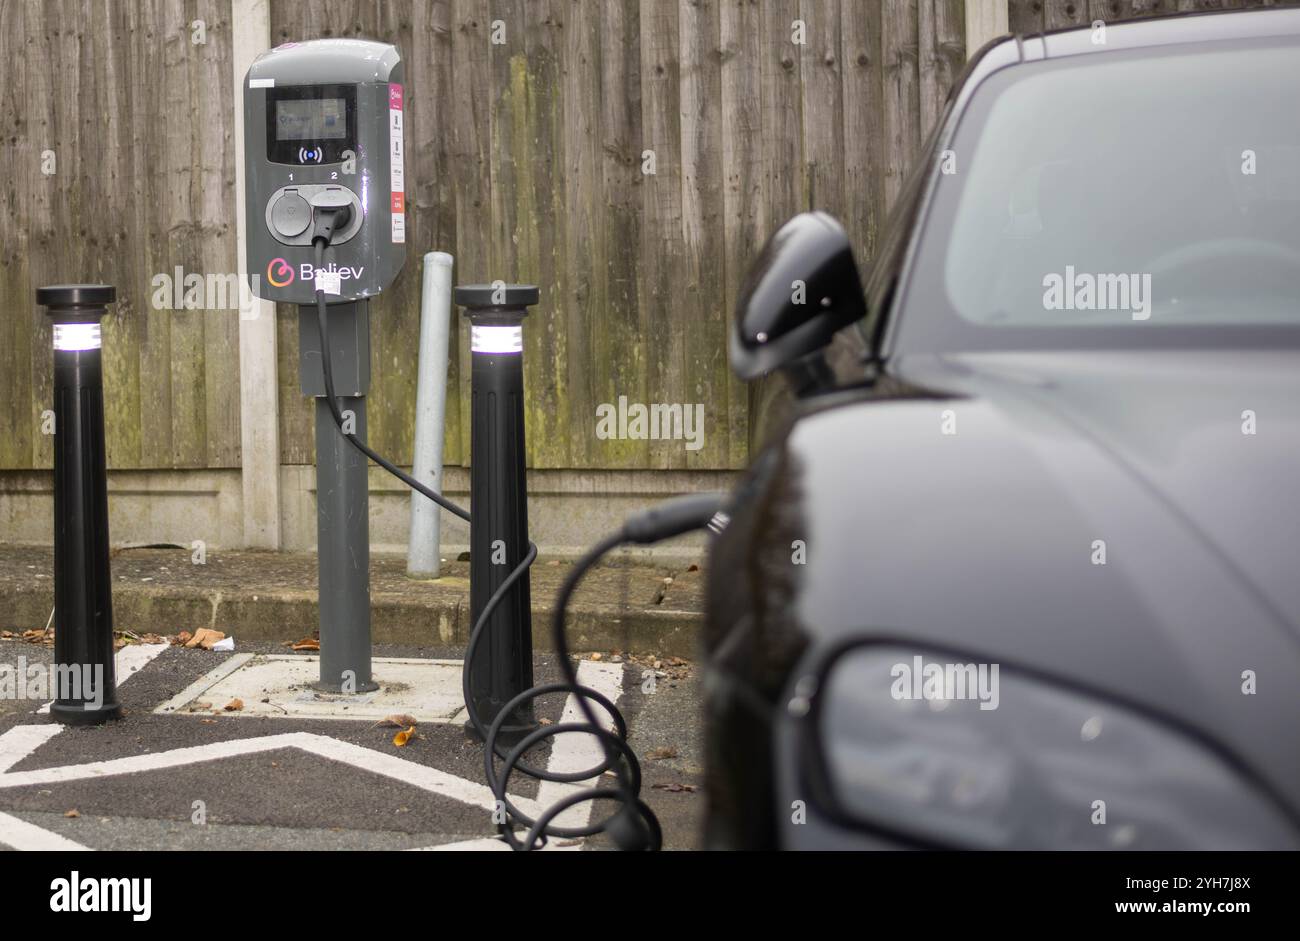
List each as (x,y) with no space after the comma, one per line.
(204,683)
(22,740)
(22,835)
(129,661)
(568,753)
(488,844)
(576,752)
(366,759)
(571,752)
(133,658)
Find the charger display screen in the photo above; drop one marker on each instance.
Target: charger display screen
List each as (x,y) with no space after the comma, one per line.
(311,119)
(311,125)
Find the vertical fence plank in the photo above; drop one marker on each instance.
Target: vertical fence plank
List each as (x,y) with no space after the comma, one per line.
(470,124)
(213,193)
(745,218)
(703,314)
(902,99)
(21,152)
(1025,16)
(543,179)
(618,344)
(864,172)
(54,245)
(126,425)
(156,194)
(586,302)
(661,289)
(942,37)
(823,121)
(1063,13)
(432,187)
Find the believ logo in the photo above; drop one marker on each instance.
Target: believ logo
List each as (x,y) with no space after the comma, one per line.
(308,272)
(278,266)
(281,274)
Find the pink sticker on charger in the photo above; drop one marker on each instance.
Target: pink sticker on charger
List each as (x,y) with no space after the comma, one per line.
(395,97)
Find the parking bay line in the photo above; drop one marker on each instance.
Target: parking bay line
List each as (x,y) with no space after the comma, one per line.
(22,835)
(423,777)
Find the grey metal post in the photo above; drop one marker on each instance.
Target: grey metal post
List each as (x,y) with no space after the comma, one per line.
(342,494)
(425,543)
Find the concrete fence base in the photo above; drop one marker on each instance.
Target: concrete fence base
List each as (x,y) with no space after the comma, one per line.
(568,510)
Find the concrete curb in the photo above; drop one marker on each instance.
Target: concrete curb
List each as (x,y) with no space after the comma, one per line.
(626,608)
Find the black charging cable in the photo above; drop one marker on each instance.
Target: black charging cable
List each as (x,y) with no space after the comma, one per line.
(634,825)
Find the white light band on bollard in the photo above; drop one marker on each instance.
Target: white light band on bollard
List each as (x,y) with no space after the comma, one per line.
(496,339)
(76,336)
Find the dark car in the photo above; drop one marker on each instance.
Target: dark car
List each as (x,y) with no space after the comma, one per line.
(1021,567)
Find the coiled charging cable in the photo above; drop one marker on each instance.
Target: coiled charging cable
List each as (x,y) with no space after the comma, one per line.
(633,826)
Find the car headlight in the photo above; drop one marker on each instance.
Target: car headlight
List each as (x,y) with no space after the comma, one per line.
(1002,760)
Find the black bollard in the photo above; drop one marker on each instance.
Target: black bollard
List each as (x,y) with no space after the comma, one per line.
(85,688)
(503,665)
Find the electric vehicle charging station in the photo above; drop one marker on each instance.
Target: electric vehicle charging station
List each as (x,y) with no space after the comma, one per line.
(324,152)
(326,204)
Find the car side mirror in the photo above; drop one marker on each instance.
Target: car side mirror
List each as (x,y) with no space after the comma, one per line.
(802,288)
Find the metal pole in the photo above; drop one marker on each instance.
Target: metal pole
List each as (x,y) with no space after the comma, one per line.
(85,690)
(503,667)
(342,495)
(425,543)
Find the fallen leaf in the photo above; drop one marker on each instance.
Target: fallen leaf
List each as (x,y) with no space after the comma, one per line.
(307,643)
(676,788)
(404,736)
(73,813)
(596,656)
(659,754)
(205,638)
(397,721)
(182,638)
(235,705)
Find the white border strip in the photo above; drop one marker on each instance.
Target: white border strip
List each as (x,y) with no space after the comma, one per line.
(22,740)
(22,835)
(574,751)
(129,661)
(205,682)
(366,759)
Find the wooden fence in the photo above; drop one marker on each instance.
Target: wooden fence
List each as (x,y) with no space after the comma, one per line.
(1032,16)
(529,157)
(532,127)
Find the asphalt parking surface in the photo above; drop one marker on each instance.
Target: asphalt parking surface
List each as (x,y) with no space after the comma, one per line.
(245,787)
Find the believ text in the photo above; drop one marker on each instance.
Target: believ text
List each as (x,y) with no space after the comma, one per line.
(308,272)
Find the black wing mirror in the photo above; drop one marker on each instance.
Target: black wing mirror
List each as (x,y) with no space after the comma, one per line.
(803,287)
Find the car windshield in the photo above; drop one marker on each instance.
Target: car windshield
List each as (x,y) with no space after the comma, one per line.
(1103,194)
